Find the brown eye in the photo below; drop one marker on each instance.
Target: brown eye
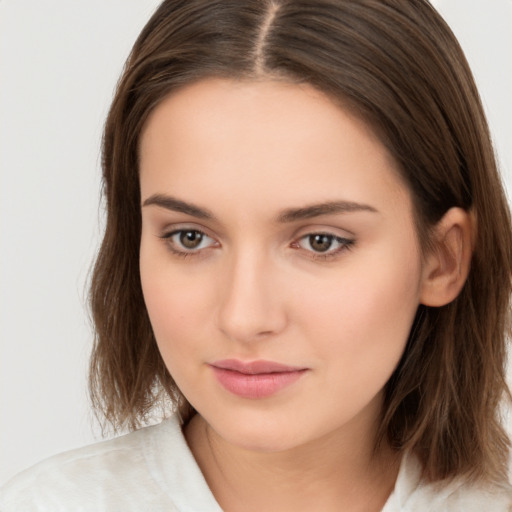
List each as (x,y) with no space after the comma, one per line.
(324,245)
(190,239)
(320,243)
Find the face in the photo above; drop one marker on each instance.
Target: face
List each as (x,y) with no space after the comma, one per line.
(279,260)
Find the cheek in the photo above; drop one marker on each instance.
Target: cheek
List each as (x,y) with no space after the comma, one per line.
(172,306)
(178,305)
(178,317)
(364,321)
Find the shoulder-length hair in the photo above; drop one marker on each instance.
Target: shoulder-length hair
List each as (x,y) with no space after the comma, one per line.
(396,64)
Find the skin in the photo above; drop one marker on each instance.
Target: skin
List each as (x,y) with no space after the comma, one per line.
(257,288)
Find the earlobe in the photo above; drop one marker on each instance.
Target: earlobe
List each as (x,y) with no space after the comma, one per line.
(447,264)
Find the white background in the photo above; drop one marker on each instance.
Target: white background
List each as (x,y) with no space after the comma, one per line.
(59,62)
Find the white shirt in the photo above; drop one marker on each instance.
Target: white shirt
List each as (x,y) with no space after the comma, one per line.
(152,469)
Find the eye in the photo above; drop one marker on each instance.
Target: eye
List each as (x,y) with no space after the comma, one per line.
(324,244)
(187,241)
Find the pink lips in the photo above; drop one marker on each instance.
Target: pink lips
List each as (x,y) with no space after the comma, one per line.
(255,379)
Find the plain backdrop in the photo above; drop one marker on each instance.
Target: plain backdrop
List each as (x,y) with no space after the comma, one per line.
(59,62)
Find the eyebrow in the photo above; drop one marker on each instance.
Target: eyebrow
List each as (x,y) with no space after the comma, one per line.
(170,203)
(328,208)
(288,215)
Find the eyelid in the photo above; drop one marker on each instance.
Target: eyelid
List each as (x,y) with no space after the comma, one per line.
(337,238)
(345,243)
(172,228)
(324,229)
(169,232)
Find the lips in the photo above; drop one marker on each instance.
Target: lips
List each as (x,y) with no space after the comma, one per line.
(255,379)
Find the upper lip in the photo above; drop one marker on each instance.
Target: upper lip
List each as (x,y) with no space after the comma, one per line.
(255,367)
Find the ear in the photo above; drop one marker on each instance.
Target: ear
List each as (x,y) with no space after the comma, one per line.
(446,266)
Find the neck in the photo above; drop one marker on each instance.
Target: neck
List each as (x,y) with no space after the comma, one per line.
(336,472)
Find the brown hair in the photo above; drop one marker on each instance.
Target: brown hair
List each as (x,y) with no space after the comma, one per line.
(397,64)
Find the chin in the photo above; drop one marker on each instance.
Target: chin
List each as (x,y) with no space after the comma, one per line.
(258,432)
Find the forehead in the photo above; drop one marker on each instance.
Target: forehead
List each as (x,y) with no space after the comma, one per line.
(282,141)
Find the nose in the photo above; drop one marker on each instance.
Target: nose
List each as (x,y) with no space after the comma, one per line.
(251,304)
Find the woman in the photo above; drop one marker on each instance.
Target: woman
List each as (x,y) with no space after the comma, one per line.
(308,255)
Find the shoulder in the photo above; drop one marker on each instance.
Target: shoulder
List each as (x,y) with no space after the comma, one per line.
(94,477)
(413,494)
(463,497)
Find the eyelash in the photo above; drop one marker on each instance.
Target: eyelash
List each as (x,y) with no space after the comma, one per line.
(167,238)
(344,244)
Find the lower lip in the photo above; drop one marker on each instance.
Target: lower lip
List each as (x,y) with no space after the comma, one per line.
(260,385)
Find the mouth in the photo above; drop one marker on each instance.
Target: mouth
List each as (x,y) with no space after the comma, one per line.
(255,379)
